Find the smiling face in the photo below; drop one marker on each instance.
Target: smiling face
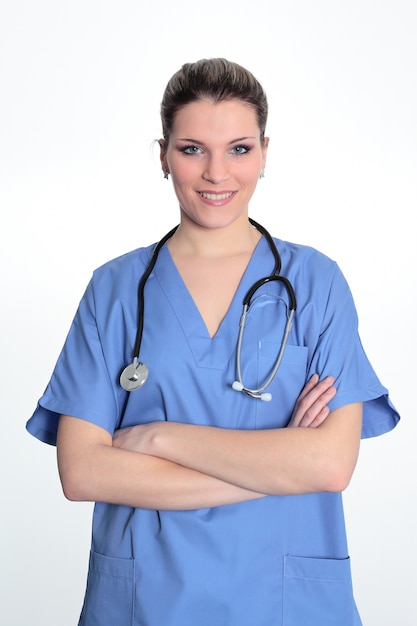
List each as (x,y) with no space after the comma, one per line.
(215,155)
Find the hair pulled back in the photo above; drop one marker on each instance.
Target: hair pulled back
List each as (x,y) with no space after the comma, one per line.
(217,80)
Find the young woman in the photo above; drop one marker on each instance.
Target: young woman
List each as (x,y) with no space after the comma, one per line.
(215,444)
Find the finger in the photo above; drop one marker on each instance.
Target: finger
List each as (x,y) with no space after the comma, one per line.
(309,386)
(318,420)
(314,389)
(311,393)
(309,407)
(315,410)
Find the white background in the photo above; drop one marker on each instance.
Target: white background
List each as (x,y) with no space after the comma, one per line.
(81,84)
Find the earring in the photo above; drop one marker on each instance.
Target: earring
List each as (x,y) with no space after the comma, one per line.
(262,174)
(166,174)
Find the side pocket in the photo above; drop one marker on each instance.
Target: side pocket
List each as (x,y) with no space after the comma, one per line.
(318,592)
(109,597)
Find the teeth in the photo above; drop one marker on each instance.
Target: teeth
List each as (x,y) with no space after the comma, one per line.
(216,196)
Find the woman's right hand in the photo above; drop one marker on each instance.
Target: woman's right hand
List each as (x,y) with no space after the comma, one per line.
(311,408)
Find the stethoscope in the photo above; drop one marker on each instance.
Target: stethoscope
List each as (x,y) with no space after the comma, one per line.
(135,374)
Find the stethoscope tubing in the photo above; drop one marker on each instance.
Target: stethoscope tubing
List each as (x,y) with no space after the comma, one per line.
(135,374)
(141,291)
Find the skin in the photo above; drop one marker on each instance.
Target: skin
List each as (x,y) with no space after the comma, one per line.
(214,155)
(214,148)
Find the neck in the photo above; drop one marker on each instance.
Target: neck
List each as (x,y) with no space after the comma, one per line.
(191,239)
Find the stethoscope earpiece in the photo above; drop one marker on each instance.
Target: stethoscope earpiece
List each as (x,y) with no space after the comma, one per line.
(265,397)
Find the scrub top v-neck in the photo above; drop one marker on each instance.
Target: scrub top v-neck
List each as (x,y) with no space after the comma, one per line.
(209,351)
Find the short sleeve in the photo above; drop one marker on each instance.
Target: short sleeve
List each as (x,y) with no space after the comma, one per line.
(339,352)
(80,384)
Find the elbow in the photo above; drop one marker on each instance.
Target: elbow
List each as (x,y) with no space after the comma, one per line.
(337,483)
(321,478)
(73,485)
(72,491)
(79,456)
(336,467)
(336,477)
(340,451)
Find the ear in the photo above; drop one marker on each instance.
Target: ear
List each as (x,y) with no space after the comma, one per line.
(264,151)
(162,155)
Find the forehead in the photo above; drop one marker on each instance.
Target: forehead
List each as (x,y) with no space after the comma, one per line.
(208,119)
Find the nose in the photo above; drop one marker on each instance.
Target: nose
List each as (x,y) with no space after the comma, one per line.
(216,170)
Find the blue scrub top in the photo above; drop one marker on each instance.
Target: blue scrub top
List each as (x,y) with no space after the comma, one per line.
(275,561)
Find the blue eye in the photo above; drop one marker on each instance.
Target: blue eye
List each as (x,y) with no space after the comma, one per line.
(240,149)
(191,150)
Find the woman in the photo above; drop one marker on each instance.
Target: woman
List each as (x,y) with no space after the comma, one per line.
(214,506)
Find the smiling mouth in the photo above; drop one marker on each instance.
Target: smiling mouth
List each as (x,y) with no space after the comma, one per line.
(216,196)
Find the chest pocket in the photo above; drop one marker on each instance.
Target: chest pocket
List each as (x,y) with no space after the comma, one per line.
(286,386)
(265,325)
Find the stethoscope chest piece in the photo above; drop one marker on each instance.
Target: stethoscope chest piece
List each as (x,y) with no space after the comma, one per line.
(134,375)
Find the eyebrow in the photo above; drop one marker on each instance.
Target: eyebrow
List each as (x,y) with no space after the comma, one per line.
(190,140)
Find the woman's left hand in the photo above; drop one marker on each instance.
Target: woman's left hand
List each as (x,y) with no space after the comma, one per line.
(311,408)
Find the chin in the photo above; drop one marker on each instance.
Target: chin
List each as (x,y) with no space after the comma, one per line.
(217,219)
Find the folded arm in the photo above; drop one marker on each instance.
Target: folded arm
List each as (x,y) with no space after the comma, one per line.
(286,461)
(91,469)
(152,466)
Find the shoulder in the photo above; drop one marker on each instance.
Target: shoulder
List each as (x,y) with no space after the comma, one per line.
(300,257)
(116,280)
(119,273)
(315,276)
(132,261)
